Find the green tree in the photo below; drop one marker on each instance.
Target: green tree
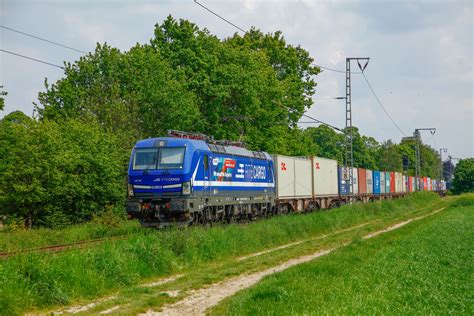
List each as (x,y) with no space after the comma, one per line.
(330,144)
(389,157)
(464,176)
(2,98)
(55,174)
(252,88)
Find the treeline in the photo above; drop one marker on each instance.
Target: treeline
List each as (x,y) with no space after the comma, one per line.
(69,162)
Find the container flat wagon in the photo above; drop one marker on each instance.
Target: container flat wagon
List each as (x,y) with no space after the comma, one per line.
(190,180)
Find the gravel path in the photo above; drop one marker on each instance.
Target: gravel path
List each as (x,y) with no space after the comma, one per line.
(198,301)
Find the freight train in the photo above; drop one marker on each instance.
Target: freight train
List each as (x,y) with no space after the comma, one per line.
(192,179)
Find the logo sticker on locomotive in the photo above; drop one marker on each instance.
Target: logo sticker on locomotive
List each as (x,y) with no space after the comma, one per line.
(223,171)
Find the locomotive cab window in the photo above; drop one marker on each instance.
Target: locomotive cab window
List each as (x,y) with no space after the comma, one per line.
(158,158)
(145,158)
(171,158)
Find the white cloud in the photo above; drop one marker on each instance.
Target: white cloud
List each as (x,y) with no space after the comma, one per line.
(421,52)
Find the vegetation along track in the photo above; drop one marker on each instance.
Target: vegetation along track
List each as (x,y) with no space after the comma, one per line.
(61,247)
(199,301)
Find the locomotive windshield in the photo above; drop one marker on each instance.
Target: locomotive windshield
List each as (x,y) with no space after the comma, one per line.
(158,158)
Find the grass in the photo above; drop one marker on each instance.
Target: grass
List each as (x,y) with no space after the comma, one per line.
(39,281)
(39,237)
(426,267)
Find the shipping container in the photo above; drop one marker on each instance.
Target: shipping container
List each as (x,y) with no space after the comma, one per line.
(392,182)
(405,184)
(369,178)
(428,184)
(376,182)
(410,184)
(362,181)
(344,183)
(382,182)
(425,183)
(387,182)
(294,178)
(398,182)
(325,177)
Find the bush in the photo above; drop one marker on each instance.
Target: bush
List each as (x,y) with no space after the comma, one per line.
(464,176)
(55,174)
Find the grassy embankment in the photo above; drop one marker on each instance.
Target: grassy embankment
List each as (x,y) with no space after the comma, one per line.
(41,280)
(426,267)
(22,239)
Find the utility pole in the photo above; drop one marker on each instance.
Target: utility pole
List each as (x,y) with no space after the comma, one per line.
(417,137)
(441,150)
(349,157)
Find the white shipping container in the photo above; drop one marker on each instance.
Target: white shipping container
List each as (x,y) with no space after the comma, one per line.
(325,181)
(355,176)
(294,178)
(398,182)
(429,184)
(369,178)
(404,183)
(382,182)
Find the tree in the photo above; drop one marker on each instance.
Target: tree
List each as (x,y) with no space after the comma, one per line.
(55,174)
(448,169)
(2,98)
(330,144)
(389,156)
(464,176)
(252,88)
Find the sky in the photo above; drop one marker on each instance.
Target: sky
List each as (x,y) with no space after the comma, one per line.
(421,53)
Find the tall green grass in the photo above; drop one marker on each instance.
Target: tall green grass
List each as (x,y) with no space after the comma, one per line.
(26,239)
(424,268)
(42,280)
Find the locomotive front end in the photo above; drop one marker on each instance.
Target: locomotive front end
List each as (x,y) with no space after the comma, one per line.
(160,182)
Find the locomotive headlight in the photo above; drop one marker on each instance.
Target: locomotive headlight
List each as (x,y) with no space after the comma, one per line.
(187,188)
(130,189)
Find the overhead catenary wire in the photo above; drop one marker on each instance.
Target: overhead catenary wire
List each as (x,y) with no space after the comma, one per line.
(381,105)
(245,32)
(321,122)
(220,16)
(42,39)
(31,58)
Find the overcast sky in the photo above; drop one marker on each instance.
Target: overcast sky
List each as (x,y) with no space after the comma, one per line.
(421,53)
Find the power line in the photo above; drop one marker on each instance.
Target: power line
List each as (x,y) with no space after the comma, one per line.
(43,39)
(31,58)
(321,122)
(336,70)
(307,116)
(329,98)
(245,32)
(220,17)
(381,105)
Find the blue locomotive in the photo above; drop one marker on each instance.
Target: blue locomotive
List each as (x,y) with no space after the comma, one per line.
(180,180)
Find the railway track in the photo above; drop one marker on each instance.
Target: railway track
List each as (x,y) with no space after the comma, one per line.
(61,247)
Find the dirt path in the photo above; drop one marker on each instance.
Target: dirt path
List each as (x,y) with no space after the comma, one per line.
(198,301)
(305,240)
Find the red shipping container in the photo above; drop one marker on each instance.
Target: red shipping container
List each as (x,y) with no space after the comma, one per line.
(362,180)
(425,183)
(392,182)
(410,184)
